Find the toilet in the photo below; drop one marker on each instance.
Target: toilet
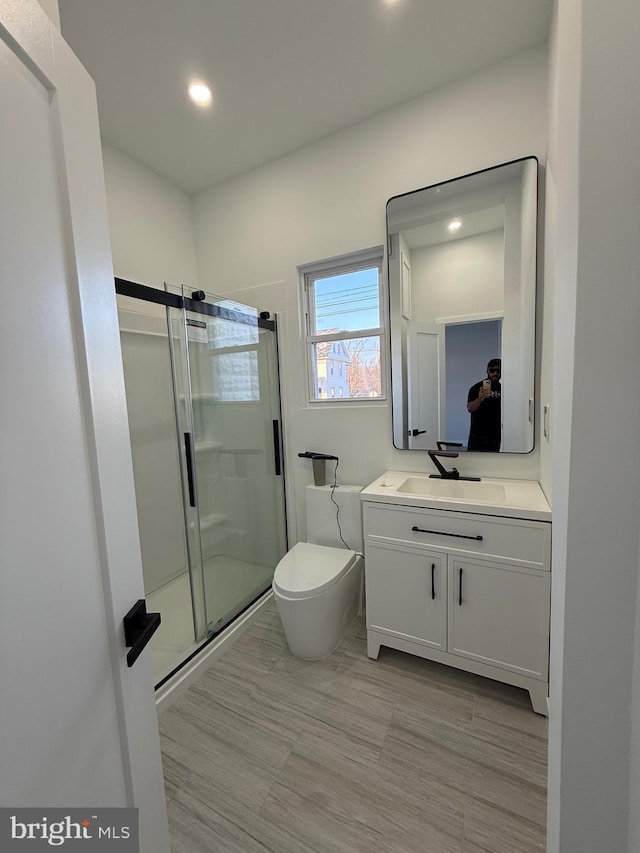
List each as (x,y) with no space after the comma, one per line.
(317,584)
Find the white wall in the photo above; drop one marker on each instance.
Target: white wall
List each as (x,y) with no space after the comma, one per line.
(329,199)
(150,222)
(154,446)
(594,174)
(152,241)
(458,278)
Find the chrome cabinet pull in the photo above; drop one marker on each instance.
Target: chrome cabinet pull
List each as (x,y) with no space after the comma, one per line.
(442,533)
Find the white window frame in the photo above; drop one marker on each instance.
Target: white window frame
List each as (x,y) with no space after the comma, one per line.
(341,265)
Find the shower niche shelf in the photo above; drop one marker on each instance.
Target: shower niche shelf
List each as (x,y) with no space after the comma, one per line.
(209,447)
(214,520)
(215,529)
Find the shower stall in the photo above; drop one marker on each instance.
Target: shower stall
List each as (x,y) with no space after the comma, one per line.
(201,377)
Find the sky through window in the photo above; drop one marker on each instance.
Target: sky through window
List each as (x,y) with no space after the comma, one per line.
(348,302)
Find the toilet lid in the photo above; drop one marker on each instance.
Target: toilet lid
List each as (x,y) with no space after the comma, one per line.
(307,569)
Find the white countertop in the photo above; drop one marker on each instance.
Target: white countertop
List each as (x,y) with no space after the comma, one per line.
(509,498)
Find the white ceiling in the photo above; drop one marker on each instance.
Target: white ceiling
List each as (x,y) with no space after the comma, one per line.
(285,73)
(473,224)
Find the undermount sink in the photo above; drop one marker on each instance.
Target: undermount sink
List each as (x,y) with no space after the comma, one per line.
(467,490)
(509,498)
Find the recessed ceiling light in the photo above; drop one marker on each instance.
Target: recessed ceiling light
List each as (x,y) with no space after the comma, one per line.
(454,225)
(200,93)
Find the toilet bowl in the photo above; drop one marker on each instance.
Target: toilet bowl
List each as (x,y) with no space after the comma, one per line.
(317,584)
(316,589)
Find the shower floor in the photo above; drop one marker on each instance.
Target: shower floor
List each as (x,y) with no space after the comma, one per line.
(230,584)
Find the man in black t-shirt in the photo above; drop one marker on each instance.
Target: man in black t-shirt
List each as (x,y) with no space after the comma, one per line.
(483,403)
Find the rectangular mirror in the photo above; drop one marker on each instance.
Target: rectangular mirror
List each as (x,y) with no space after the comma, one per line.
(462,290)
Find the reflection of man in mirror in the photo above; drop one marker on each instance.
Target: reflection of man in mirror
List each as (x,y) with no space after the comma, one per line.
(483,403)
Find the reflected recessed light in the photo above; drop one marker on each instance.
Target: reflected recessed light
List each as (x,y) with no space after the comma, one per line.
(454,225)
(200,93)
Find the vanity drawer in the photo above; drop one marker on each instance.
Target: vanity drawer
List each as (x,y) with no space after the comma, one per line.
(519,541)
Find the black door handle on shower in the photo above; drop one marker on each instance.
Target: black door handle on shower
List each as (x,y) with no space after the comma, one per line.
(139,627)
(189,457)
(276,448)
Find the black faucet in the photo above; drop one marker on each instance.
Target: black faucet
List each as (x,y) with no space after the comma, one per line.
(444,474)
(441,445)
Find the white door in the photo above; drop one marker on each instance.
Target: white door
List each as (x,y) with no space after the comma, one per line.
(426,369)
(407,594)
(499,615)
(78,726)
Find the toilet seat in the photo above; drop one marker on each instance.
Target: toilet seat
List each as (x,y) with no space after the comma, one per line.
(309,569)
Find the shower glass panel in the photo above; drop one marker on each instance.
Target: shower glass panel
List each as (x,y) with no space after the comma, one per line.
(228,410)
(156,466)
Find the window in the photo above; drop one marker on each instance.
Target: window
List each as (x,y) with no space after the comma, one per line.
(345,326)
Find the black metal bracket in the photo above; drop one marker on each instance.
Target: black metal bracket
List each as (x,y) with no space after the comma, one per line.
(139,627)
(311,454)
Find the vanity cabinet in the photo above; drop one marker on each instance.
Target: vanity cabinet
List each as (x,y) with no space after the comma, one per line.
(463,589)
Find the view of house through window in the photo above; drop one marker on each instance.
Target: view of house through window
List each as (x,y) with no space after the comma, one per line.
(345,328)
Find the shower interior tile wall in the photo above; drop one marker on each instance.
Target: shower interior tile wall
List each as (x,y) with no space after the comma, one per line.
(268,752)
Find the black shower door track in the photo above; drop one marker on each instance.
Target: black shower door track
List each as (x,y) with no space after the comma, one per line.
(172,300)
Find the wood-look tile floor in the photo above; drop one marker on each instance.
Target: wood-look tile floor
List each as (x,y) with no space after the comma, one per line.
(266,752)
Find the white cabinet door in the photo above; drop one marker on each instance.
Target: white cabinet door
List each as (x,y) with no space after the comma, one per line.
(499,615)
(407,594)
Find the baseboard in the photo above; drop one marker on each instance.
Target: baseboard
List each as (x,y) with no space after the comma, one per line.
(172,689)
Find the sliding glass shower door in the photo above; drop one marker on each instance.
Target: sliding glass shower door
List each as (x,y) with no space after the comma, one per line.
(228,411)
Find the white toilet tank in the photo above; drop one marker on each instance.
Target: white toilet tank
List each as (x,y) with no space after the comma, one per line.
(322,527)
